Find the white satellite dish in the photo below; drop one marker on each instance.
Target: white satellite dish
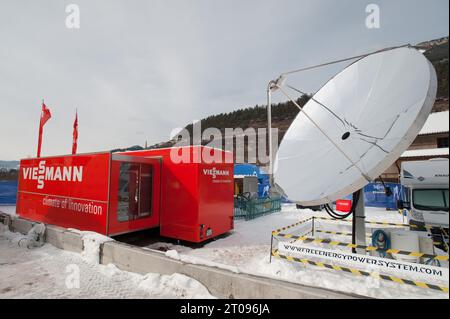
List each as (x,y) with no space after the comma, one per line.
(356,126)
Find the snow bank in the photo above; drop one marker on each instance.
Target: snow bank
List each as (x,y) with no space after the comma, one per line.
(247,250)
(94,277)
(5,233)
(177,284)
(44,273)
(91,246)
(161,286)
(173,254)
(8,210)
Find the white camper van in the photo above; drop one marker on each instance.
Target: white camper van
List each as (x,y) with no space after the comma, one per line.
(427,199)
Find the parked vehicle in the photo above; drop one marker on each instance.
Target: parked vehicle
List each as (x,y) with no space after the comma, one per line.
(427,198)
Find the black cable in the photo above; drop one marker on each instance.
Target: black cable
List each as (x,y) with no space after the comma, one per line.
(336,215)
(387,190)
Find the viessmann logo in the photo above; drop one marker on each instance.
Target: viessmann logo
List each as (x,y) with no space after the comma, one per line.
(43,173)
(215,172)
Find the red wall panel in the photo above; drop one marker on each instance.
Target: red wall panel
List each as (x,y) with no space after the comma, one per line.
(68,191)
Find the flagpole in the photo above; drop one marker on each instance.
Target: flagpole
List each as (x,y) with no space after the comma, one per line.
(45,116)
(75,133)
(40,133)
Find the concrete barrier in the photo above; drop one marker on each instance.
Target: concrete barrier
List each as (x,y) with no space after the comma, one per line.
(221,283)
(19,225)
(57,236)
(64,239)
(5,219)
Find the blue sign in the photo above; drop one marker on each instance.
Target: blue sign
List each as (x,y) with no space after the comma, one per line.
(241,170)
(8,192)
(375,195)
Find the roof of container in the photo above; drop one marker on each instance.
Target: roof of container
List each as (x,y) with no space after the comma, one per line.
(436,123)
(426,152)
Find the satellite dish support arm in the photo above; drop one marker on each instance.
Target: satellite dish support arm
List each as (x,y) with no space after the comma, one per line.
(269,127)
(325,134)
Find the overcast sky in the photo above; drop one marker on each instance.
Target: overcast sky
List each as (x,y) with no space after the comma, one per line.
(138,69)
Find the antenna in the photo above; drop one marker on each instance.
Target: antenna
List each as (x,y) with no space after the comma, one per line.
(355,127)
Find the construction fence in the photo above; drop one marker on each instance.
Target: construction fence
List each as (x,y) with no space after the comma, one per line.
(297,243)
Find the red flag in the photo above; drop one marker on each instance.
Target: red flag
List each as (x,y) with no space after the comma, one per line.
(75,134)
(45,116)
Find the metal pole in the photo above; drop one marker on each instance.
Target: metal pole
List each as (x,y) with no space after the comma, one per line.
(359,223)
(271,243)
(344,60)
(269,128)
(313,226)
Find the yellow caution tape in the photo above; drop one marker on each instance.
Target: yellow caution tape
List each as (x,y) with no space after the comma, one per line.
(358,272)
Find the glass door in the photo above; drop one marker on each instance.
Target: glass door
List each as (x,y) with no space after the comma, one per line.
(134,194)
(134,191)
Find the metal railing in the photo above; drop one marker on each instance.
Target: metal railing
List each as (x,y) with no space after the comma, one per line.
(253,208)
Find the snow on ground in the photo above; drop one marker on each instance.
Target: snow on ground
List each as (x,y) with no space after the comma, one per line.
(91,244)
(7,209)
(247,250)
(48,272)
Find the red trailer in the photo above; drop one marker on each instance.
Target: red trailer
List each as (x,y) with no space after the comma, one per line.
(117,193)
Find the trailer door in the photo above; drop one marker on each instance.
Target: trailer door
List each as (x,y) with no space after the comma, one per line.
(134,194)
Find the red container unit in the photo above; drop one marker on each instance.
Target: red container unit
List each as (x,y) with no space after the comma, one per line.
(119,193)
(197,200)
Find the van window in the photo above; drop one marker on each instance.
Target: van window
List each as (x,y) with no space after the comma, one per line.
(135,191)
(442,142)
(431,199)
